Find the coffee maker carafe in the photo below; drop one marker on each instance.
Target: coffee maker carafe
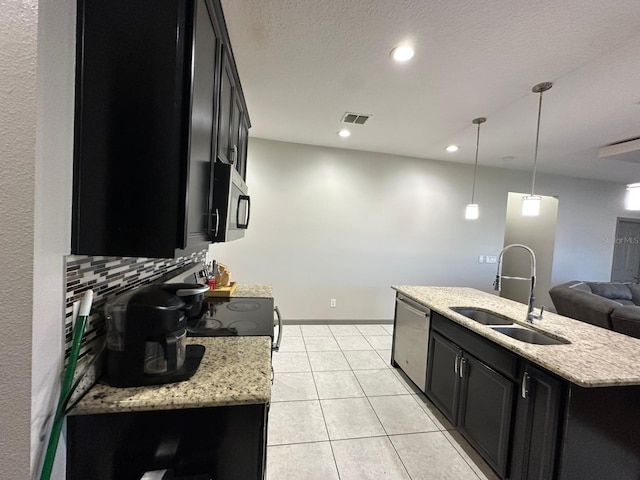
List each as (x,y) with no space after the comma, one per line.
(146,339)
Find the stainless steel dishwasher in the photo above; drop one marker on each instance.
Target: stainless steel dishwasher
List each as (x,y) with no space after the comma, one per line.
(411,339)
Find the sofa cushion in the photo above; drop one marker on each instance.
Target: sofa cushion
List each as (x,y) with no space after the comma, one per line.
(613,291)
(634,288)
(580,286)
(626,320)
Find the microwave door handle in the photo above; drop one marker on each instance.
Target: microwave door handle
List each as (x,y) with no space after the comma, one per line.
(242,198)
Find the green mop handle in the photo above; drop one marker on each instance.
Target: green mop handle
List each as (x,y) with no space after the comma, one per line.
(67,382)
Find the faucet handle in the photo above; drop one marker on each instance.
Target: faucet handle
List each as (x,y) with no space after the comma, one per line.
(536,316)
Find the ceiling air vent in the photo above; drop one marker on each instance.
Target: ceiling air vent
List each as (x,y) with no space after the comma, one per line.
(357,118)
(627,151)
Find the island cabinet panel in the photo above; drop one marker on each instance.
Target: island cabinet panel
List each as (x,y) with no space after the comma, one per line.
(601,434)
(225,443)
(537,424)
(472,390)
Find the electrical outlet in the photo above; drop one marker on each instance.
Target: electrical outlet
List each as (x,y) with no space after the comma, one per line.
(480,258)
(333,303)
(492,259)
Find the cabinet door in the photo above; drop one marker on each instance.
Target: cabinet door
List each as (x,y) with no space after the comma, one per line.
(485,411)
(226,109)
(234,136)
(202,138)
(537,425)
(443,381)
(243,140)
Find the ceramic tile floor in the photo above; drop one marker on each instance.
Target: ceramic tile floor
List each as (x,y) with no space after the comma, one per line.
(340,411)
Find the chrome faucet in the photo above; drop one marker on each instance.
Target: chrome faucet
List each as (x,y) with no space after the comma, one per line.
(497,284)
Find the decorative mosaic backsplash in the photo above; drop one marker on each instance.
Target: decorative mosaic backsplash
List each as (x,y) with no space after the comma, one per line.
(109,277)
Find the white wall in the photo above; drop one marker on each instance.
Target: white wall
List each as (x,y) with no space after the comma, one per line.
(36,73)
(537,233)
(52,236)
(333,223)
(18,33)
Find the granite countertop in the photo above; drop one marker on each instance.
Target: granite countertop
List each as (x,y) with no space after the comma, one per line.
(233,371)
(264,291)
(596,357)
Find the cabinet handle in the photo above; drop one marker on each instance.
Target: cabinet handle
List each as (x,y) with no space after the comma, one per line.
(217,215)
(234,155)
(456,364)
(525,385)
(245,225)
(463,362)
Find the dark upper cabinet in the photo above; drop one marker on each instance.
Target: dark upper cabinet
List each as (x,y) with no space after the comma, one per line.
(226,110)
(234,124)
(148,107)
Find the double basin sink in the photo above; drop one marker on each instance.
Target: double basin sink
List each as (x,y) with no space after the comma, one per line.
(503,325)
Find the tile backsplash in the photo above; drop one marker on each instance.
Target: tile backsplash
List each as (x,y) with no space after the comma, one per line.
(109,277)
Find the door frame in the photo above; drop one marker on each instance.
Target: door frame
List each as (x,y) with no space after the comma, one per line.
(616,244)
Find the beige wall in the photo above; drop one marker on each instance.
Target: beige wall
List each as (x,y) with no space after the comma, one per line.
(333,223)
(36,73)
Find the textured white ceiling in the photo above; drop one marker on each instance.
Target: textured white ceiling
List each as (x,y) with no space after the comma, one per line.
(303,63)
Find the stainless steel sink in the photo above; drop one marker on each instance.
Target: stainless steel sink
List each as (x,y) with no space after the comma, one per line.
(527,335)
(482,316)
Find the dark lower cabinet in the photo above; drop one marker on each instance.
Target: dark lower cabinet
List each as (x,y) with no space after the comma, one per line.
(474,397)
(527,423)
(485,411)
(443,382)
(223,443)
(537,425)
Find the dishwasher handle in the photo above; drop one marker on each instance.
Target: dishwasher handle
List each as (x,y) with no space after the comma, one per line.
(412,306)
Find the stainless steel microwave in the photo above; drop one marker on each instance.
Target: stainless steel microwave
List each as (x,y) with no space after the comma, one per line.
(231,207)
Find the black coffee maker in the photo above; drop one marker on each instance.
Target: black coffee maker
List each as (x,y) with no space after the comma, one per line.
(146,339)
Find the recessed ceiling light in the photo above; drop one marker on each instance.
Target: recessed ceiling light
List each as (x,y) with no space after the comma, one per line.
(344,133)
(402,53)
(452,148)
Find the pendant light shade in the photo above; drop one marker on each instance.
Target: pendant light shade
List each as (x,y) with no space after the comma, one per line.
(531,203)
(633,196)
(472,212)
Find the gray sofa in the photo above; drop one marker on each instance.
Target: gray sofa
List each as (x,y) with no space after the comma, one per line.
(614,306)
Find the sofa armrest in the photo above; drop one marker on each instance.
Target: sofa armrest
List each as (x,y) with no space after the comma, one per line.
(626,319)
(583,306)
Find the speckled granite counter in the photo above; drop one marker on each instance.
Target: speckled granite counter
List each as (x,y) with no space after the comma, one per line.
(595,357)
(263,291)
(233,371)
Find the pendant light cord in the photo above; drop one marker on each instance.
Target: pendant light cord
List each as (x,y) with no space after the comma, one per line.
(478,121)
(539,88)
(475,169)
(535,154)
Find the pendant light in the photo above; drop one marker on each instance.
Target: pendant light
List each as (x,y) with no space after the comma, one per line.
(633,196)
(531,203)
(473,209)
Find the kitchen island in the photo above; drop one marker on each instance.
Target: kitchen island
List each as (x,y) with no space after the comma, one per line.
(214,423)
(565,411)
